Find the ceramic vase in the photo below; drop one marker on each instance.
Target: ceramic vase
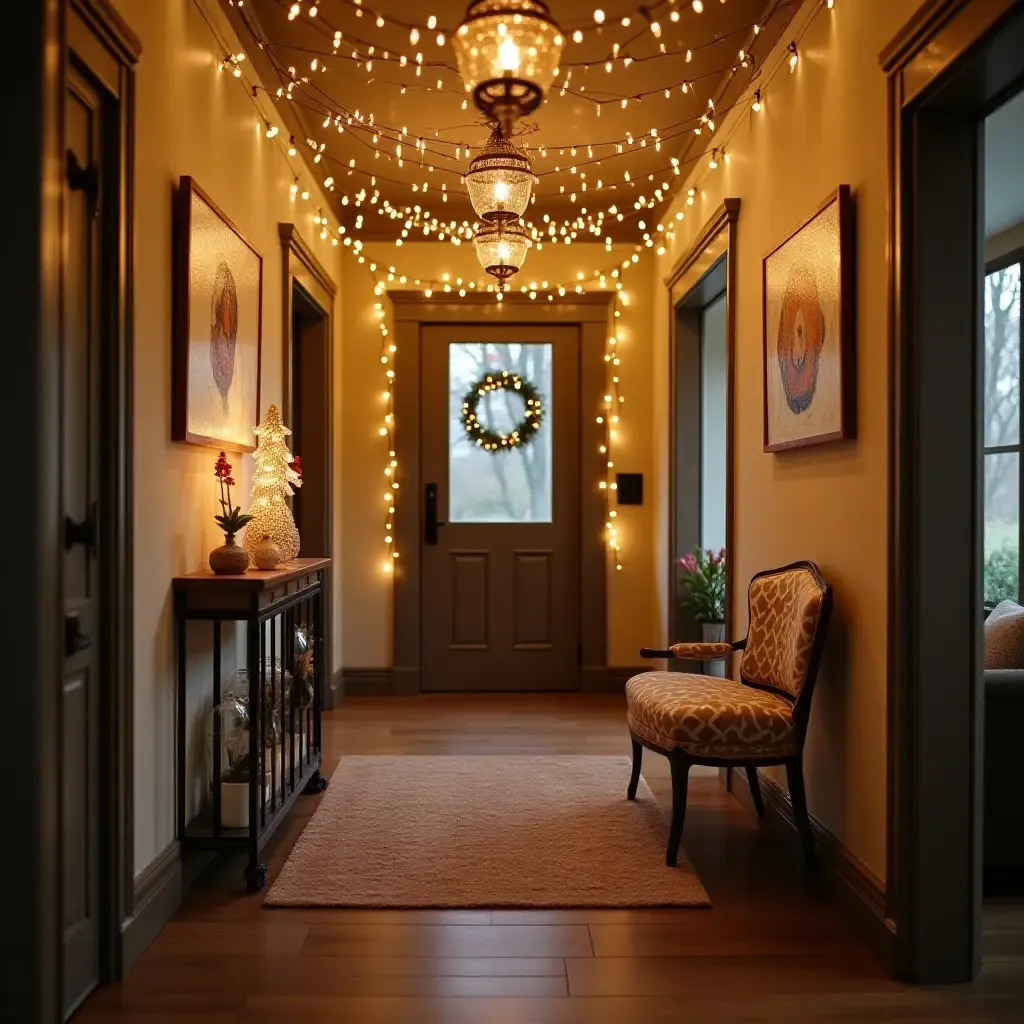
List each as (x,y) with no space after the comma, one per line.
(713,633)
(267,554)
(229,559)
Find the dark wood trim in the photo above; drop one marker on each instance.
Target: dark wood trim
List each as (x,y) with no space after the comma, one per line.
(364,682)
(301,267)
(590,312)
(111,29)
(847,334)
(187,186)
(607,678)
(157,896)
(30,970)
(946,68)
(1006,260)
(725,218)
(726,215)
(853,888)
(101,43)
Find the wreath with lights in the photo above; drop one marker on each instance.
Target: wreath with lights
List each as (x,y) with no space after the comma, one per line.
(522,433)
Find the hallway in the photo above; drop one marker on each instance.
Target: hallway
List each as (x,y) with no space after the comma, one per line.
(769,950)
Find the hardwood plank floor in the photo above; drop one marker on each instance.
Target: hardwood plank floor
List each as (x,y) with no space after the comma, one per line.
(770,949)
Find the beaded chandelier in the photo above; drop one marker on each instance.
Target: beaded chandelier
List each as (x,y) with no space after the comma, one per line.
(508,53)
(501,248)
(499,180)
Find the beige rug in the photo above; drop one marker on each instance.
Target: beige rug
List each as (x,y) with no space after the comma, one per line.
(490,831)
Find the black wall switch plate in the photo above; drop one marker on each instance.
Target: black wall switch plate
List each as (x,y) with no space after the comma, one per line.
(630,489)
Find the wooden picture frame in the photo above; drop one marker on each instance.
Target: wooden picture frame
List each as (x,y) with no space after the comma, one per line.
(807,327)
(218,326)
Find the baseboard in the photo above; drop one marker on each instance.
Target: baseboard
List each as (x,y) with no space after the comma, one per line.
(851,886)
(158,894)
(606,678)
(365,682)
(403,682)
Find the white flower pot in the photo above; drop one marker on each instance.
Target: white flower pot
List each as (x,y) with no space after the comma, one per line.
(713,633)
(234,805)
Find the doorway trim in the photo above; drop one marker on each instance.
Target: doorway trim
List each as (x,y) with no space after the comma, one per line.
(951,63)
(716,238)
(590,312)
(301,267)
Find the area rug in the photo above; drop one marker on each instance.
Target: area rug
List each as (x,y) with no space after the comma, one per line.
(485,831)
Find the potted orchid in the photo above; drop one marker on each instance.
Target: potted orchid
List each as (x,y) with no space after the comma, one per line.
(229,558)
(704,582)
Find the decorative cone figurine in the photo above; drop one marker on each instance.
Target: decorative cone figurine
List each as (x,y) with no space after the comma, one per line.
(272,485)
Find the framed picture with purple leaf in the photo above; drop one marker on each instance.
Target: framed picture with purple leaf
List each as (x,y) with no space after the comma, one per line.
(808,330)
(218,326)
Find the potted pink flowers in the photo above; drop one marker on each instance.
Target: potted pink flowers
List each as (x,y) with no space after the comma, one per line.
(229,558)
(704,581)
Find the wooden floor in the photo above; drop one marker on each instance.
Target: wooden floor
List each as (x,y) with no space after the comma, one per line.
(770,950)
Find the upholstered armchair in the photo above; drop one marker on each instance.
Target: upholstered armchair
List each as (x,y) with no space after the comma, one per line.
(757,721)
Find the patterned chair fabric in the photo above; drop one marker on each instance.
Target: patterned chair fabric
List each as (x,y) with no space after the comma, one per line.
(709,717)
(785,609)
(701,651)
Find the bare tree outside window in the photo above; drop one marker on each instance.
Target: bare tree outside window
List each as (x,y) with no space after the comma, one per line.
(499,487)
(1002,483)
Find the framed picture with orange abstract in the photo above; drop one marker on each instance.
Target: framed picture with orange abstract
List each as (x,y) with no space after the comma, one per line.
(218,317)
(808,330)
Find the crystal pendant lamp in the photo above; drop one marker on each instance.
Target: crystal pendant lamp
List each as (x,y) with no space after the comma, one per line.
(508,53)
(499,180)
(501,248)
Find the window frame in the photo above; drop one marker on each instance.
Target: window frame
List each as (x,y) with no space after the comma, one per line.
(1014,256)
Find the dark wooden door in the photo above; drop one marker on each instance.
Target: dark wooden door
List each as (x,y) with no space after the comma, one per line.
(500,587)
(80,468)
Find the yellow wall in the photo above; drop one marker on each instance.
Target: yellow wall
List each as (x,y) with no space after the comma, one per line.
(632,615)
(190,120)
(821,126)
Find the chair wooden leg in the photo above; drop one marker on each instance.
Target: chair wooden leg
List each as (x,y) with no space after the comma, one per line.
(680,779)
(634,779)
(755,790)
(795,777)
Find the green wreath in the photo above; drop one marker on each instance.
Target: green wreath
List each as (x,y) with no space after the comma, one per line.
(522,433)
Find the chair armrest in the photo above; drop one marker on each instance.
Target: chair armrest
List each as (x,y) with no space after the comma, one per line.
(1004,680)
(694,651)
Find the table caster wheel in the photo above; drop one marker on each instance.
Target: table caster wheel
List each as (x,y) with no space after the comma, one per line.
(255,876)
(316,784)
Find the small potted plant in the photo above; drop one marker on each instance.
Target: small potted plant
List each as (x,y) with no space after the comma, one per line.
(229,558)
(704,582)
(233,717)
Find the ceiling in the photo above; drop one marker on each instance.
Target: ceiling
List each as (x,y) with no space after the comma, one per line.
(1004,166)
(369,85)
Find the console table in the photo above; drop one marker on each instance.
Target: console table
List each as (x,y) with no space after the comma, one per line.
(273,605)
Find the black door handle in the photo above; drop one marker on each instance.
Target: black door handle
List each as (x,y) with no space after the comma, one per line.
(431,523)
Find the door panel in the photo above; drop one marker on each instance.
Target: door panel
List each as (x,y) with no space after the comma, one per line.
(80,576)
(500,597)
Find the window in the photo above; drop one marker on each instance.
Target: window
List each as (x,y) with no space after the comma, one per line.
(499,487)
(1002,476)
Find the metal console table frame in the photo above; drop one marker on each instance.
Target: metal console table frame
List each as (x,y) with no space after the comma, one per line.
(272,605)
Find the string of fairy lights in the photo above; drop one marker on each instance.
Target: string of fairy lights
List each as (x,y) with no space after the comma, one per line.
(416,217)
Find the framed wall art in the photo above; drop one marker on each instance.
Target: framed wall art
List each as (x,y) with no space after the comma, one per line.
(807,325)
(218,304)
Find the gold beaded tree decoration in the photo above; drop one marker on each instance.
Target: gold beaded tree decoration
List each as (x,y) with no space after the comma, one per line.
(271,488)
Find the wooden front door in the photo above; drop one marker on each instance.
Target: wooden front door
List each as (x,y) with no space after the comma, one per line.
(500,593)
(80,472)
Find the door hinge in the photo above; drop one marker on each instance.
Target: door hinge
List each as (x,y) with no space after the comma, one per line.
(83,532)
(84,179)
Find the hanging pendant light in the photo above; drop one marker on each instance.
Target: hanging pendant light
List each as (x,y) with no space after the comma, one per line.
(499,180)
(508,53)
(501,248)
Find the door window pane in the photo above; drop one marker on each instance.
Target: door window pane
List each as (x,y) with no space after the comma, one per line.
(498,486)
(714,371)
(1002,525)
(1002,356)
